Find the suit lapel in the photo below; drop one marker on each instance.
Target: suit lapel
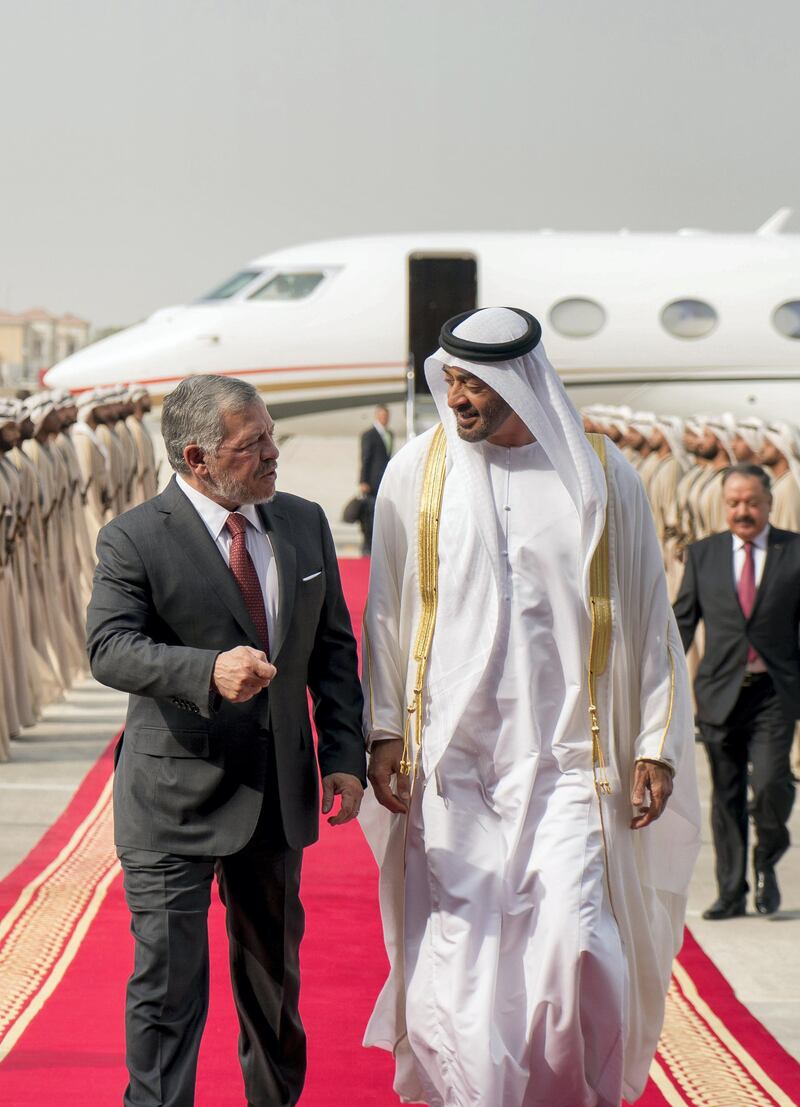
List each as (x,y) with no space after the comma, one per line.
(771,567)
(202,555)
(279,529)
(725,565)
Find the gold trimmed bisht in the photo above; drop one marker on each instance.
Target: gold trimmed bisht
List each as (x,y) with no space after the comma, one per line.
(428,554)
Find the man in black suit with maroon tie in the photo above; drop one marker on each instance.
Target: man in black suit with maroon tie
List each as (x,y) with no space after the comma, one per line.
(745,585)
(218,606)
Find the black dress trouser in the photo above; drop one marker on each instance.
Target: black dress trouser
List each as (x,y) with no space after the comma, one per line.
(755,734)
(167,999)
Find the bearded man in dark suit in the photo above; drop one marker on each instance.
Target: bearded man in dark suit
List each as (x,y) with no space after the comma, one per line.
(745,585)
(217,605)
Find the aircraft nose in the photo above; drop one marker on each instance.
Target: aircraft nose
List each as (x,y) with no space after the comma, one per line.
(145,353)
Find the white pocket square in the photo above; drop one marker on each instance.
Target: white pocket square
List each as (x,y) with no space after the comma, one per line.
(312,576)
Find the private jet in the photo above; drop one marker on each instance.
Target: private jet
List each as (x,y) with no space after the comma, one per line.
(684,322)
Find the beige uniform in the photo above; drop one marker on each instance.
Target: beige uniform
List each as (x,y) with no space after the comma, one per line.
(69,567)
(33,684)
(31,575)
(9,719)
(130,463)
(663,496)
(785,513)
(95,489)
(76,516)
(109,441)
(21,668)
(145,484)
(712,505)
(647,467)
(59,603)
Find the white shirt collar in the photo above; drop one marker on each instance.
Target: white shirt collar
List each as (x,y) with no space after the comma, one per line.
(760,540)
(214,515)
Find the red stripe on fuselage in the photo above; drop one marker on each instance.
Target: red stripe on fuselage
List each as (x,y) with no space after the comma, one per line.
(251,372)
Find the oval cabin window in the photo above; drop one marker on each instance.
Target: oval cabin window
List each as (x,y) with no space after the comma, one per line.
(787,319)
(689,318)
(577,317)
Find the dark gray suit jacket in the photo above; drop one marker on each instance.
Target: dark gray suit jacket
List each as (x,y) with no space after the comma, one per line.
(190,776)
(708,592)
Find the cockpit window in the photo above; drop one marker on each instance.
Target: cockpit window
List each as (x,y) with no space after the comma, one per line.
(288,286)
(233,285)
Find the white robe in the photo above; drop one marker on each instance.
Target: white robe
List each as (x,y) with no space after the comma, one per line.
(503,907)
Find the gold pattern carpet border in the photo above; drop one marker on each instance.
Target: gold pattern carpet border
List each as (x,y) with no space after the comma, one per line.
(700,1063)
(43,931)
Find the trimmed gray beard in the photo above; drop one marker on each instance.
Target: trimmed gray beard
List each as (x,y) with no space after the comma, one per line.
(237,491)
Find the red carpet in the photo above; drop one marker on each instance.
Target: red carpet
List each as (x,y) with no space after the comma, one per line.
(65,955)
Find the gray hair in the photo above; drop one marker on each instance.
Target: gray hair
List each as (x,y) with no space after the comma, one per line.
(195,411)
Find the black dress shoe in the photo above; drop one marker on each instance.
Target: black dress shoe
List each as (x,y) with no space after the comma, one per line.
(768,894)
(726,909)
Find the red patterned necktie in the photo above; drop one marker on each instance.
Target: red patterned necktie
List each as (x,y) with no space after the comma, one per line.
(243,569)
(747,591)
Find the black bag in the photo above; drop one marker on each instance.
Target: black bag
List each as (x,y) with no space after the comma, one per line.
(353,510)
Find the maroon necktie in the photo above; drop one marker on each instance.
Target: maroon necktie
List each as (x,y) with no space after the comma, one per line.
(747,591)
(244,571)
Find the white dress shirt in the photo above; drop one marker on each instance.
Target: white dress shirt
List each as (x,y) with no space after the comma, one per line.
(384,433)
(759,560)
(759,555)
(215,516)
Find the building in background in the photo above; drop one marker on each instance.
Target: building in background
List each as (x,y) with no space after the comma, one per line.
(33,340)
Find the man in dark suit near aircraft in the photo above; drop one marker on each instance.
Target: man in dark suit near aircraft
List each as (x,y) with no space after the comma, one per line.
(744,583)
(217,605)
(376,449)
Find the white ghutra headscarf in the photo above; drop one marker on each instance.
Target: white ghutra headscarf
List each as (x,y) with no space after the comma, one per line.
(532,388)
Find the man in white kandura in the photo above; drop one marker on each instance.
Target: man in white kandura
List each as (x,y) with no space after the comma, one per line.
(517,606)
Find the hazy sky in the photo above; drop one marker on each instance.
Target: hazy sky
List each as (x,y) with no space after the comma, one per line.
(149,147)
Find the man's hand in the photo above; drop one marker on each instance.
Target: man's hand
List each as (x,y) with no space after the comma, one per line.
(349,788)
(364,489)
(652,777)
(241,673)
(384,763)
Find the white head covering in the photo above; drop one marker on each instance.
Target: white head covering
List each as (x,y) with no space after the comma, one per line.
(787,439)
(62,398)
(599,415)
(89,400)
(724,428)
(9,412)
(619,417)
(39,406)
(672,427)
(532,388)
(751,430)
(643,422)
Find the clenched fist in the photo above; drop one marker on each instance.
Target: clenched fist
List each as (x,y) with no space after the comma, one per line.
(241,673)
